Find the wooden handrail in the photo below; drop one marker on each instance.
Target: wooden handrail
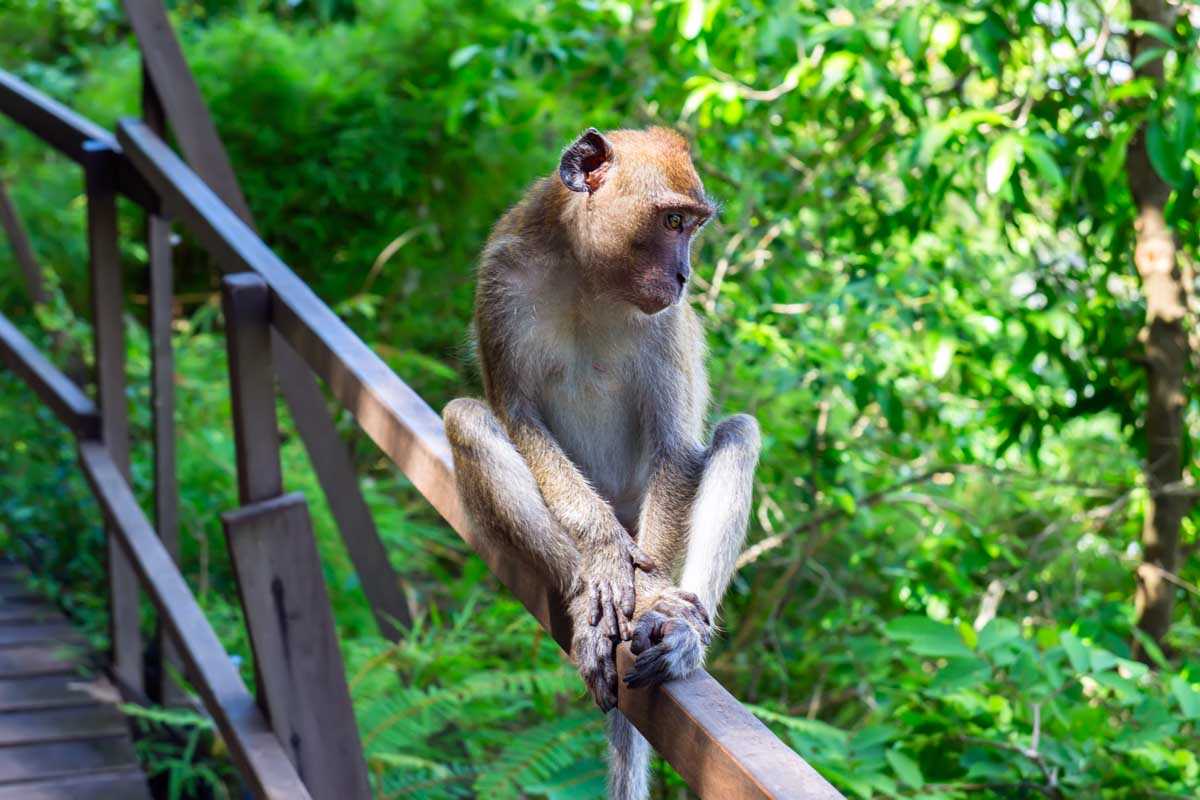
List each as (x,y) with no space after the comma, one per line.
(68,402)
(718,746)
(68,133)
(714,742)
(251,741)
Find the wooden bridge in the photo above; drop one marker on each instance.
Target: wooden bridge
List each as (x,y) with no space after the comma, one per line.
(298,738)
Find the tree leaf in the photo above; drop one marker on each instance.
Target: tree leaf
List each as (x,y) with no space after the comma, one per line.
(1155,29)
(1077,652)
(928,637)
(1001,160)
(909,31)
(1187,697)
(906,768)
(1162,156)
(691,19)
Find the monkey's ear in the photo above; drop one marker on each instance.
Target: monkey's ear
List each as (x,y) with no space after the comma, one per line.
(585,161)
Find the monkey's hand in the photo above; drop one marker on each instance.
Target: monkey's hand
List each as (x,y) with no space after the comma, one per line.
(606,581)
(595,655)
(669,638)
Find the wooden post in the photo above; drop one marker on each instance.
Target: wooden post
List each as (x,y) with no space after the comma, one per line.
(108,327)
(162,396)
(201,145)
(301,676)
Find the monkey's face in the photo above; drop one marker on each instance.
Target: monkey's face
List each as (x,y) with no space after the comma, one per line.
(660,257)
(644,205)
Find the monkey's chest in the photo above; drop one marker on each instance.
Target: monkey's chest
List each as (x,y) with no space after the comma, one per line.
(592,412)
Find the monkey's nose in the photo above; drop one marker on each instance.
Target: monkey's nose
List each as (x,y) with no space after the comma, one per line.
(682,277)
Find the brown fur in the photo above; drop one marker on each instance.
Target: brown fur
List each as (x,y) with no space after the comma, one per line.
(588,455)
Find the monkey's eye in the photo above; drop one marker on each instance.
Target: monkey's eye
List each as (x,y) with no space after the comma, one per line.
(674,220)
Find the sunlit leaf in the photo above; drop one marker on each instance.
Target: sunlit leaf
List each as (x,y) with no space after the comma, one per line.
(1001,160)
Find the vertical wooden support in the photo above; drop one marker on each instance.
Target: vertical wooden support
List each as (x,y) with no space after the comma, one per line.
(302,680)
(197,136)
(162,398)
(109,343)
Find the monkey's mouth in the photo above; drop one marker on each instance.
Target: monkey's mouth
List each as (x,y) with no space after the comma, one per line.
(659,299)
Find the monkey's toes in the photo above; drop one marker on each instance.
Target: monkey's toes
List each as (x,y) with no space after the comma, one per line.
(666,649)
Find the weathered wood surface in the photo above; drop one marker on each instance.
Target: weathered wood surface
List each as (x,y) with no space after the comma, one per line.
(61,734)
(184,108)
(67,132)
(282,589)
(288,616)
(256,751)
(727,754)
(108,343)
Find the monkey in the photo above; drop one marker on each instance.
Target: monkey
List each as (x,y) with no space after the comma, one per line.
(587,455)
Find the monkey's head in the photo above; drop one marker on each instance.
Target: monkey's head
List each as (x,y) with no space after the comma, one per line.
(635,206)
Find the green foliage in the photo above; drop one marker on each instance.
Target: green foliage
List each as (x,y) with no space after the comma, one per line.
(921,284)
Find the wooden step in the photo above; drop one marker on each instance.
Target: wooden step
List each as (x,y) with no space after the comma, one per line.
(28,660)
(120,785)
(27,762)
(45,632)
(61,724)
(53,691)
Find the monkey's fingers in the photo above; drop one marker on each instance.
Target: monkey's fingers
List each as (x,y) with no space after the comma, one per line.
(594,605)
(699,606)
(608,607)
(641,560)
(628,601)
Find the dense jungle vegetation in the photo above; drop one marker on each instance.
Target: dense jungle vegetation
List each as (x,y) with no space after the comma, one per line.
(972,566)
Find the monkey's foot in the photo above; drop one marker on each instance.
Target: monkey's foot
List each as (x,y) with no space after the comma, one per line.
(669,639)
(595,654)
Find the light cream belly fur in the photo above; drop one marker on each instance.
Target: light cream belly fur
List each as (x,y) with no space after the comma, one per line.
(591,414)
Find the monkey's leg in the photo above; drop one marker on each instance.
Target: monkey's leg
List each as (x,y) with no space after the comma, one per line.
(507,511)
(671,634)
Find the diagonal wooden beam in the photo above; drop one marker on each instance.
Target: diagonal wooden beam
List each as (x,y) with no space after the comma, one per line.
(193,126)
(18,240)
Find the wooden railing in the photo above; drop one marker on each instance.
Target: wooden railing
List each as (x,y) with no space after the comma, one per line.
(298,739)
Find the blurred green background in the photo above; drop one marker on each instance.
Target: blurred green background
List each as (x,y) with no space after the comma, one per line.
(922,283)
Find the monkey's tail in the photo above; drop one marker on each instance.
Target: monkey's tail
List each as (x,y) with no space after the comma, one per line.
(628,760)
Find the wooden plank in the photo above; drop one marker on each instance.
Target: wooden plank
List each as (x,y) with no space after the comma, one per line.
(22,249)
(287,612)
(251,742)
(52,691)
(28,613)
(411,435)
(65,399)
(120,785)
(67,132)
(46,632)
(30,762)
(108,334)
(21,661)
(61,724)
(723,750)
(246,301)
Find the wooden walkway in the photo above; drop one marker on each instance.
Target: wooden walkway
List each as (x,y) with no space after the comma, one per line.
(61,736)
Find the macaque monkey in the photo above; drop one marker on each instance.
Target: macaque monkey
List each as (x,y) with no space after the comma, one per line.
(588,456)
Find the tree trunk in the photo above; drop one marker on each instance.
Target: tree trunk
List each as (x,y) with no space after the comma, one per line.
(1166,357)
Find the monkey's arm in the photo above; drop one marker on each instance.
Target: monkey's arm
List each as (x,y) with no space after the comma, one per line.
(608,554)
